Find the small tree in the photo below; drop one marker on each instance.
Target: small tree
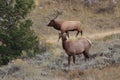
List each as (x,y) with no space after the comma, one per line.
(15,30)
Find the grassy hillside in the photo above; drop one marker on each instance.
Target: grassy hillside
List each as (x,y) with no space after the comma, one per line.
(98,16)
(100,23)
(105,65)
(101,17)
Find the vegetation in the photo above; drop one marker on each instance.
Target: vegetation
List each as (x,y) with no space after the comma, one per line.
(101,24)
(99,15)
(16,34)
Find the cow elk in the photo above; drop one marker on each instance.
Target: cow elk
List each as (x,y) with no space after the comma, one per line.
(75,47)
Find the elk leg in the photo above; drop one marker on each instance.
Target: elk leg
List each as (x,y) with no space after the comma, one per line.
(86,55)
(77,33)
(69,58)
(67,34)
(81,32)
(74,59)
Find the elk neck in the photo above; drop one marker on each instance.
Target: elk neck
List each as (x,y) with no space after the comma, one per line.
(64,42)
(57,24)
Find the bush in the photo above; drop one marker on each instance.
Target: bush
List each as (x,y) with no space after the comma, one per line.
(16,34)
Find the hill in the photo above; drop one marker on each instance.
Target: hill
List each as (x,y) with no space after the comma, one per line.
(99,16)
(100,23)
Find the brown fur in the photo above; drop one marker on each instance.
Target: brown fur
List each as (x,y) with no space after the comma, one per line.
(75,47)
(65,26)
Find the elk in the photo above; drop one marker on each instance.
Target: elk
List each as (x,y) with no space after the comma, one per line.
(65,26)
(75,47)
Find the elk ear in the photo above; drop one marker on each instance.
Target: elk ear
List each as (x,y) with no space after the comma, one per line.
(67,34)
(59,36)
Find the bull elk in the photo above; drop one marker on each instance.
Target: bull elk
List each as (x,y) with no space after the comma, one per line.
(75,47)
(65,26)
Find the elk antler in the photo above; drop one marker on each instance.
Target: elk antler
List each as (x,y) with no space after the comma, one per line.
(57,14)
(48,18)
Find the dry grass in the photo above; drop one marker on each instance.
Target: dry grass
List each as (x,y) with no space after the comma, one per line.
(107,73)
(28,71)
(91,22)
(110,73)
(95,26)
(100,28)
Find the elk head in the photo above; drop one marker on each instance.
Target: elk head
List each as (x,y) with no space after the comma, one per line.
(63,36)
(52,21)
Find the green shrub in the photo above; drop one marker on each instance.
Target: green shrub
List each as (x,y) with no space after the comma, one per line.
(16,34)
